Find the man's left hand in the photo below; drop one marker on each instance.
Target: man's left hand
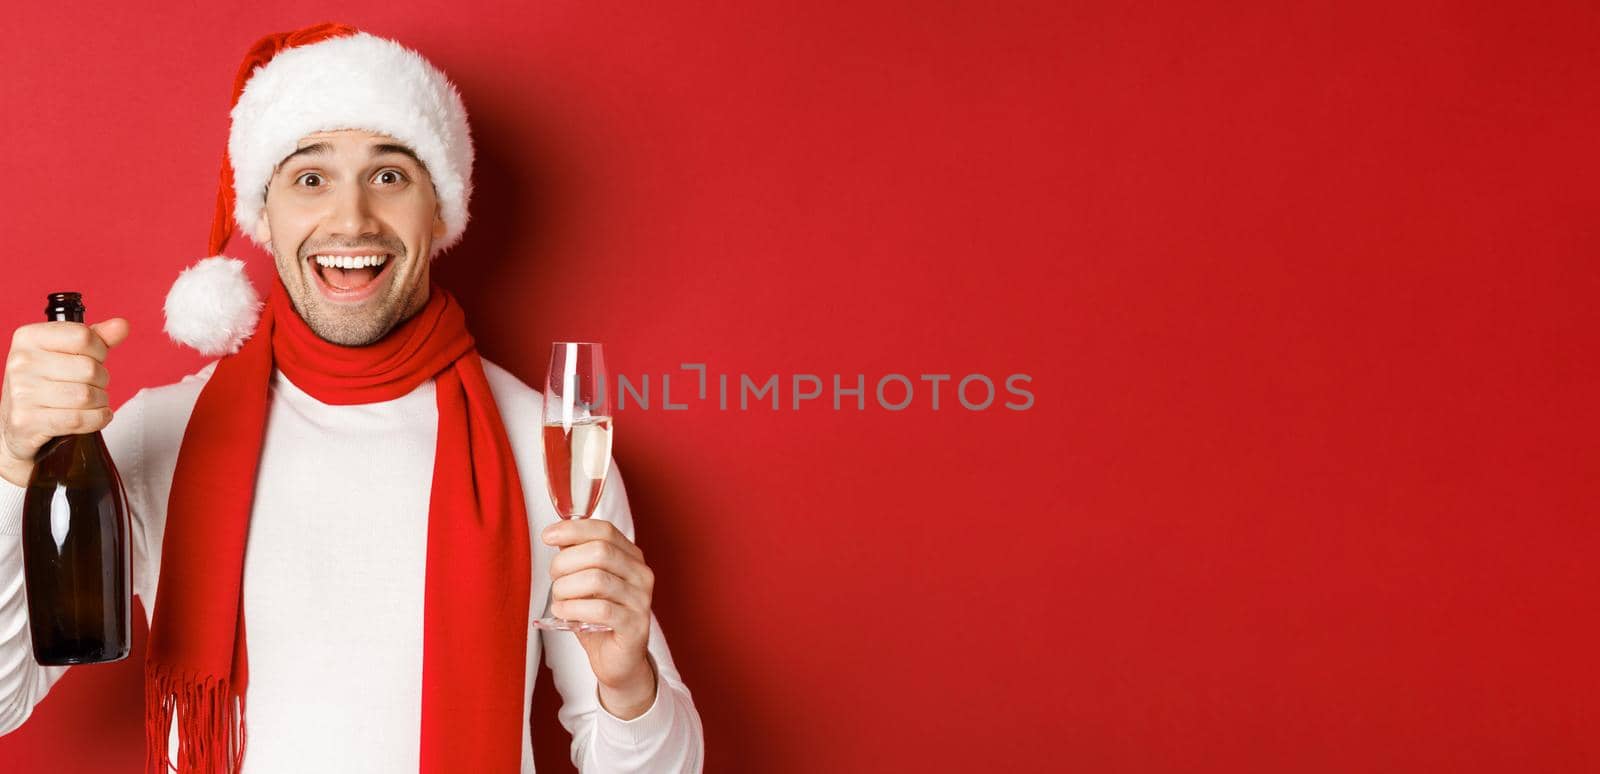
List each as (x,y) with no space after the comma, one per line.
(600,577)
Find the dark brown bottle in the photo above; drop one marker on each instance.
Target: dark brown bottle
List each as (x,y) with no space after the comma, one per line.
(75,546)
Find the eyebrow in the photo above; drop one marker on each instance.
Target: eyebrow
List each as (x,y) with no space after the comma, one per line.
(387,148)
(309,150)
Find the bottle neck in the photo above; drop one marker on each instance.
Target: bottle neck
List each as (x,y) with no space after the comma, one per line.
(64,307)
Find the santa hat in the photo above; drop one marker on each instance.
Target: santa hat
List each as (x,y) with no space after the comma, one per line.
(321,78)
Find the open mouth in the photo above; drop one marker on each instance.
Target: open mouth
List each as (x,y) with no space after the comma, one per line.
(350,277)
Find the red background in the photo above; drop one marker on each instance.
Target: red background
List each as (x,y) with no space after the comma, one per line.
(1307,292)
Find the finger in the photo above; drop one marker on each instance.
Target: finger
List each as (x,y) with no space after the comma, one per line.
(59,367)
(112,332)
(595,583)
(58,422)
(69,338)
(603,555)
(597,611)
(69,395)
(569,532)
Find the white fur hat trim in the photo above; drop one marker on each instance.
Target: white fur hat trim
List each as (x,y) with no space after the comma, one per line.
(357,81)
(213,307)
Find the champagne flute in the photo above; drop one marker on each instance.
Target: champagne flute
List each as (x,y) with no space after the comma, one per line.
(577,441)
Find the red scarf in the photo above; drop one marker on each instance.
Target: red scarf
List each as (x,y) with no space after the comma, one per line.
(475,605)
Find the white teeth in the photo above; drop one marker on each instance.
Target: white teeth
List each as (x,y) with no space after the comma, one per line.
(350,261)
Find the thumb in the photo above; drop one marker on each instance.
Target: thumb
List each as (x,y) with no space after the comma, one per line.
(112,331)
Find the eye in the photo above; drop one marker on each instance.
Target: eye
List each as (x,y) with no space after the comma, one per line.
(310,180)
(390,177)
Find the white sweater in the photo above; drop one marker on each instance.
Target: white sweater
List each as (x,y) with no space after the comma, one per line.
(333,584)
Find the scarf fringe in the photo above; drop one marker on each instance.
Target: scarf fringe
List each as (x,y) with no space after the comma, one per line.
(211,727)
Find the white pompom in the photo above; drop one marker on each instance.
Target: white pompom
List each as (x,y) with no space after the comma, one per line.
(212,306)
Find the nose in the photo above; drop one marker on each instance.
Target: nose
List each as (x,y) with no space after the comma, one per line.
(352,215)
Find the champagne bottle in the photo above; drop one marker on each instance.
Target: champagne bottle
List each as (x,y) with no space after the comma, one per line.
(75,543)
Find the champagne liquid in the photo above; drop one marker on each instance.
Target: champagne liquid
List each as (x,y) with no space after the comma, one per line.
(75,553)
(576,459)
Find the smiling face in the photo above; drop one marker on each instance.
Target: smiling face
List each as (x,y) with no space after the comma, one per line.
(350,219)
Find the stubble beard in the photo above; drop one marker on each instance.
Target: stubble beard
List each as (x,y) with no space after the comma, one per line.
(356,327)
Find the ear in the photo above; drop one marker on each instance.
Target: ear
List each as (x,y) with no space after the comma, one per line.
(263,230)
(438,223)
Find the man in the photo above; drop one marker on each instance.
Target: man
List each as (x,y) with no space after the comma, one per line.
(351,479)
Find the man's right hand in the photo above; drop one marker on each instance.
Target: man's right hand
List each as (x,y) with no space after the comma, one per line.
(55,384)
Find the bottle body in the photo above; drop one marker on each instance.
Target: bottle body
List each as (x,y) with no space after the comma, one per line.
(76,554)
(76,550)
